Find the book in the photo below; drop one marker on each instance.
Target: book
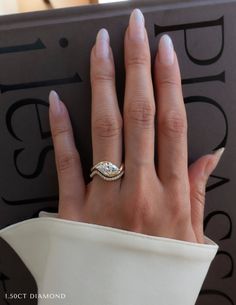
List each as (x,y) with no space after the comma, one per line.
(46,50)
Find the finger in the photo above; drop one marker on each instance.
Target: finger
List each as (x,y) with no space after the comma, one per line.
(171,116)
(199,173)
(106,117)
(70,177)
(139,106)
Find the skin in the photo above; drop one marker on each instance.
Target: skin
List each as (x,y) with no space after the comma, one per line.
(163,198)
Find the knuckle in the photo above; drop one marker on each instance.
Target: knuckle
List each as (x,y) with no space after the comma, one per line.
(138,59)
(142,113)
(198,195)
(67,161)
(107,127)
(103,75)
(176,181)
(60,129)
(173,125)
(168,82)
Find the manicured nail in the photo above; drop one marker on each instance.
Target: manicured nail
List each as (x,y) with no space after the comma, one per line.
(55,103)
(103,44)
(166,50)
(136,25)
(212,164)
(218,153)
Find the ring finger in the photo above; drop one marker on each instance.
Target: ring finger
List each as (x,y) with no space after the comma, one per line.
(106,116)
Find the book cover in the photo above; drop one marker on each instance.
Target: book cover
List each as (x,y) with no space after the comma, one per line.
(47,50)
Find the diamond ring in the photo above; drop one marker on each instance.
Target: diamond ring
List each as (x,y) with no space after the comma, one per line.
(107,171)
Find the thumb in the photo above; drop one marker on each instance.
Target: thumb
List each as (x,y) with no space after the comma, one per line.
(199,173)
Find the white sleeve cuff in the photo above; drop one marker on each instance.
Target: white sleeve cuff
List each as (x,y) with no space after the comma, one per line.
(93,264)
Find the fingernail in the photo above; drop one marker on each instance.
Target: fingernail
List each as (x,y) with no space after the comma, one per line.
(136,25)
(55,103)
(218,153)
(212,164)
(166,50)
(102,44)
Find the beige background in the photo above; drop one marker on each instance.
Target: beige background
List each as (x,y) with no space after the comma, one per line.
(66,3)
(16,6)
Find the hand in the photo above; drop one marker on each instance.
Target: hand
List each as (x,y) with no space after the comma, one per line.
(165,199)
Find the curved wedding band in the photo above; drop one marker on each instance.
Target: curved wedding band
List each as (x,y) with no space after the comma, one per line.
(107,171)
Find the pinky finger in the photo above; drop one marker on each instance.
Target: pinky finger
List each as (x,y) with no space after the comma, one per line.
(70,177)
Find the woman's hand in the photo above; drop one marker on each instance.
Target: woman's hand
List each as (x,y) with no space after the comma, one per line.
(164,199)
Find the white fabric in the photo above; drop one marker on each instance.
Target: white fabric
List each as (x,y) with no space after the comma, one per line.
(98,265)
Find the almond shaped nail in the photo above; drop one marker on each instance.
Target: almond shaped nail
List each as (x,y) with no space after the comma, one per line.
(137,25)
(166,50)
(103,44)
(55,103)
(218,153)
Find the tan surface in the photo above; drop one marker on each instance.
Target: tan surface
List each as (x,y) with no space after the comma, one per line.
(68,3)
(36,5)
(15,6)
(31,5)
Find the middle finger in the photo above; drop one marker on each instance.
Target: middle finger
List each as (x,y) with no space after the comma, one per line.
(139,106)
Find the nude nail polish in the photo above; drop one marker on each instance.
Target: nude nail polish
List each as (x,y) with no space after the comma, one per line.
(166,50)
(137,25)
(102,44)
(55,103)
(218,153)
